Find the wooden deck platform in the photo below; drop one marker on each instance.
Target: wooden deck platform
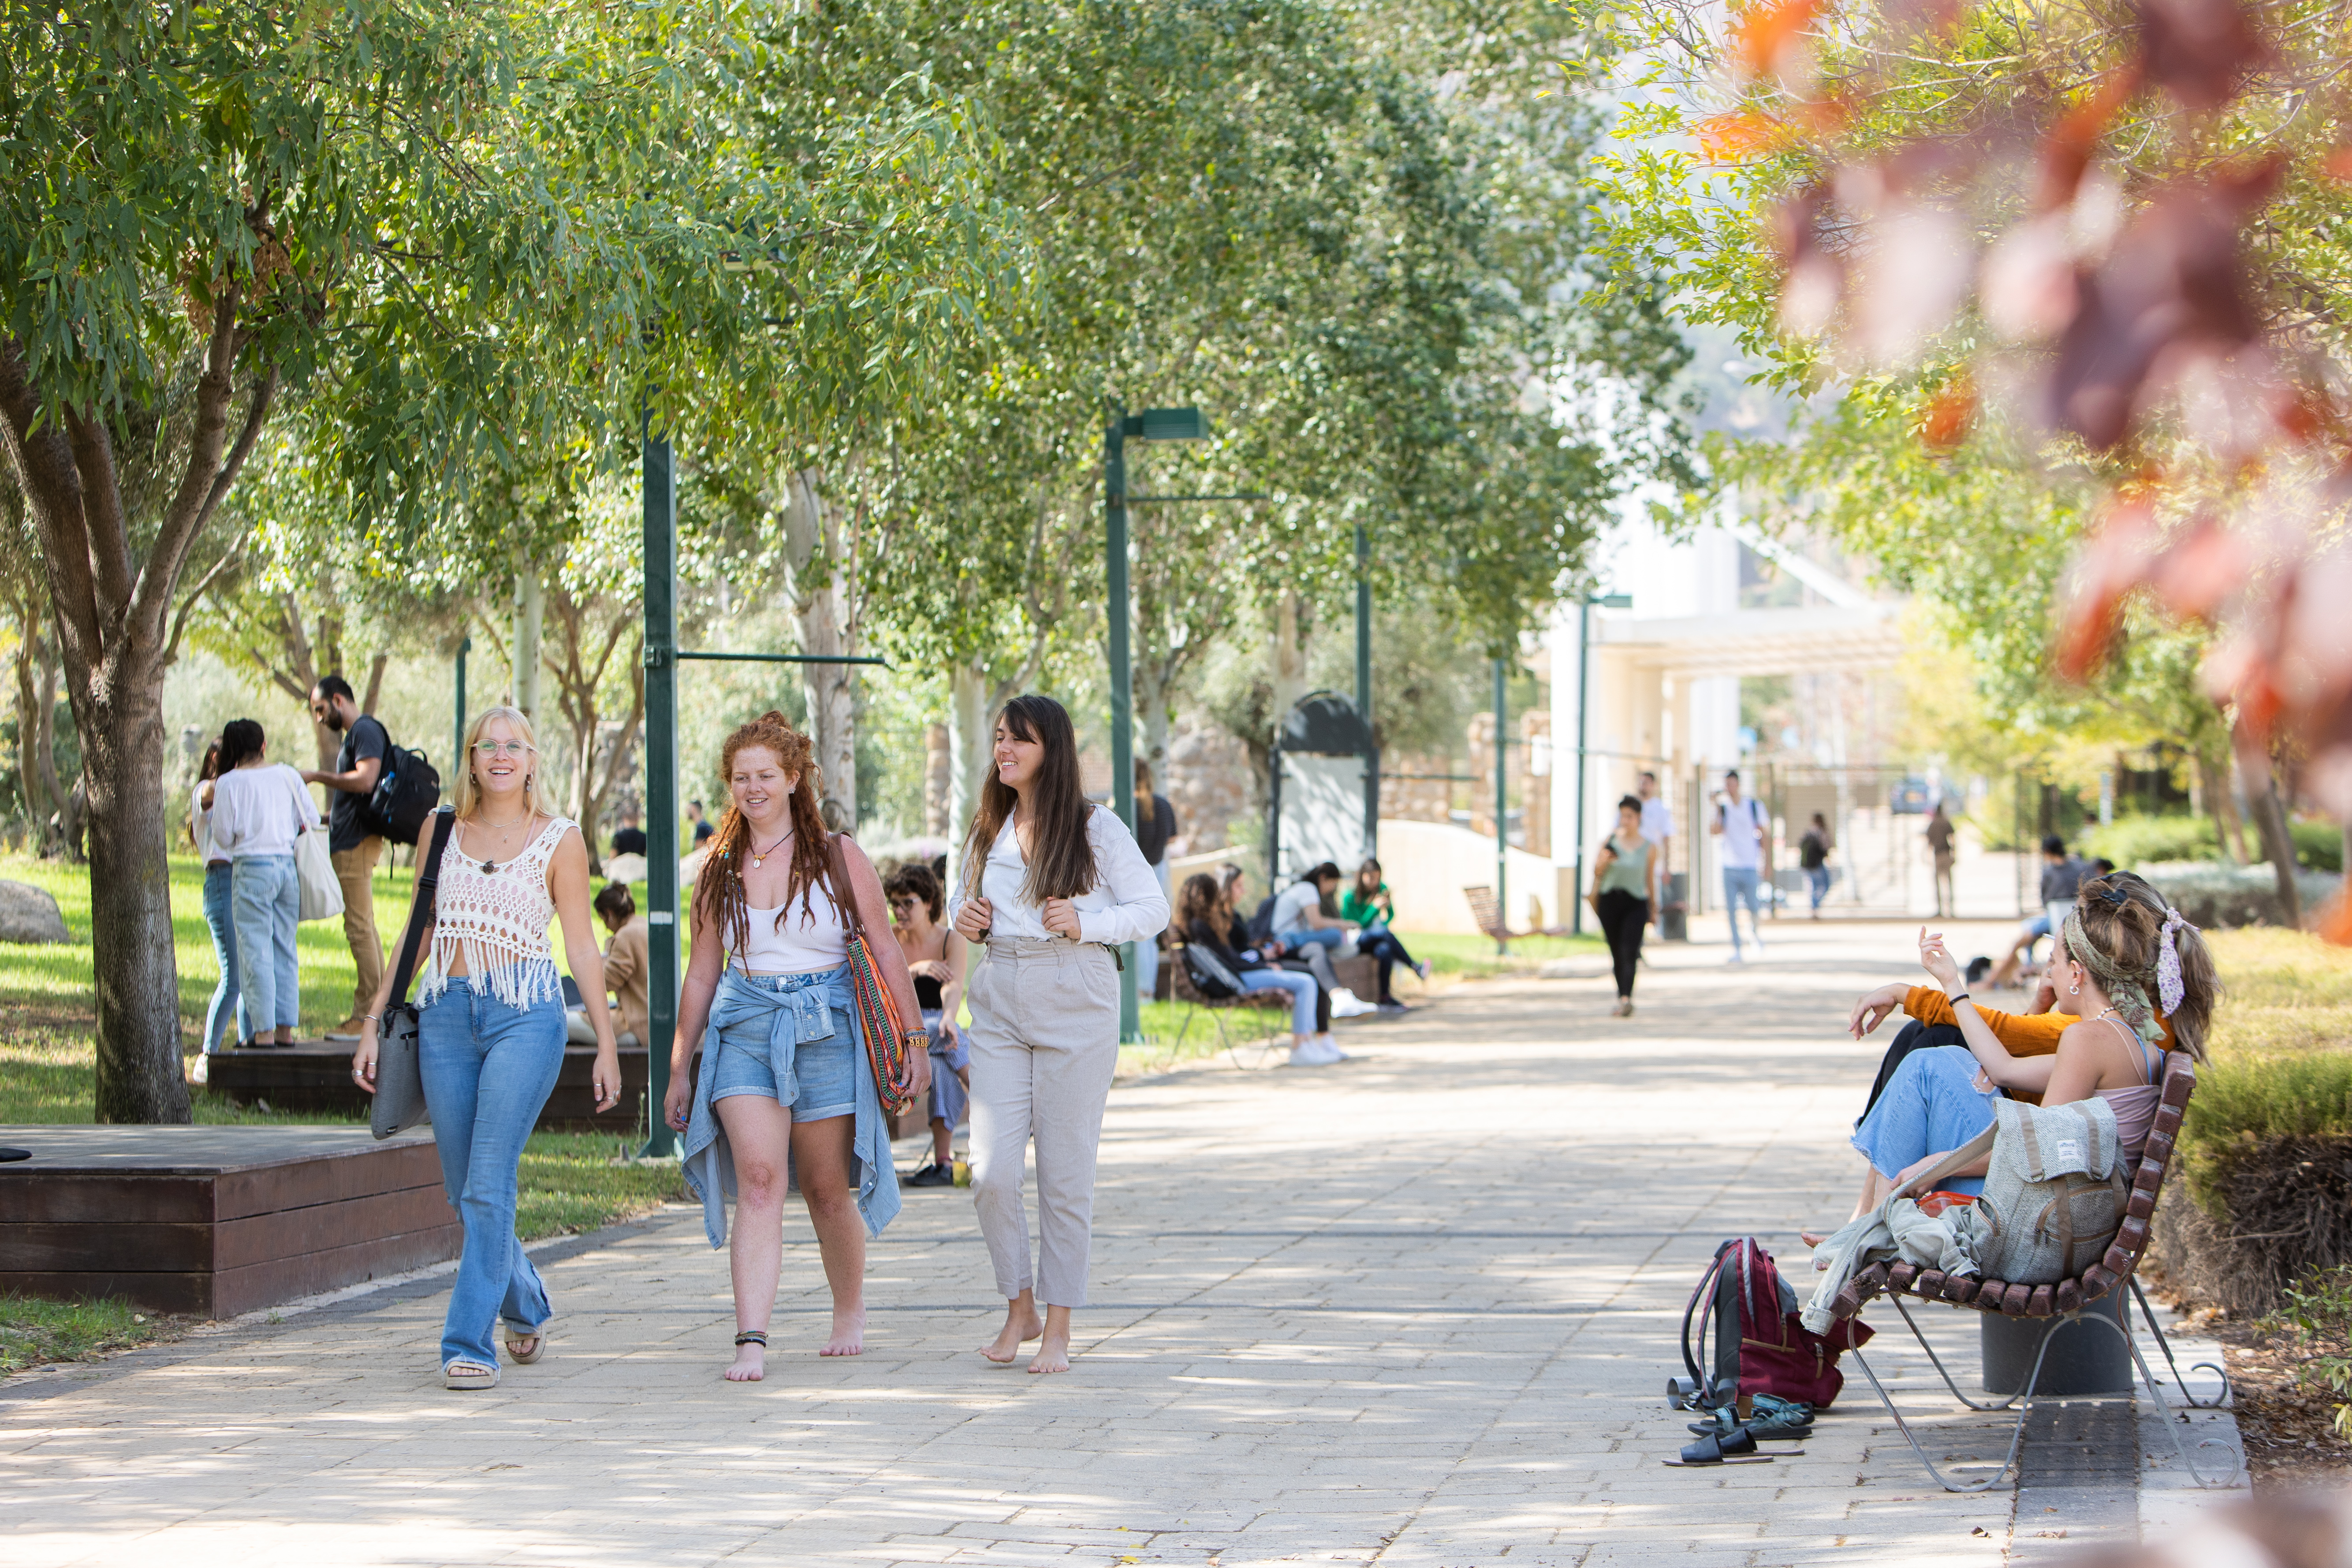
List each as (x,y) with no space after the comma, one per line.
(315,1075)
(216,1220)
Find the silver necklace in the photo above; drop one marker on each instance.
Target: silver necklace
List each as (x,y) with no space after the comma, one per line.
(490,866)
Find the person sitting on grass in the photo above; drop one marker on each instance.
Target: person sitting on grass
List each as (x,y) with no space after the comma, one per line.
(1208,922)
(935,956)
(627,957)
(1367,903)
(2142,983)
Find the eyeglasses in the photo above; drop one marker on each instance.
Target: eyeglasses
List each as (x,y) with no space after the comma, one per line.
(903,903)
(502,748)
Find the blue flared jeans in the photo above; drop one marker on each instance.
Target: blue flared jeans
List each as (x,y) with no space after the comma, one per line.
(265,905)
(228,998)
(487,1068)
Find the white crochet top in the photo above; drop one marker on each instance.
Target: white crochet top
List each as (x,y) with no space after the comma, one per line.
(497,920)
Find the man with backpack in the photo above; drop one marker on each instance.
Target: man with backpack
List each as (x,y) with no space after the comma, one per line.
(353,843)
(1745,829)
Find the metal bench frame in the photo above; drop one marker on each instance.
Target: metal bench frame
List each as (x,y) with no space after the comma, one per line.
(1181,989)
(2062,1304)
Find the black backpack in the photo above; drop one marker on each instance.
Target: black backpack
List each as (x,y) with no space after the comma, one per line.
(407,791)
(1261,924)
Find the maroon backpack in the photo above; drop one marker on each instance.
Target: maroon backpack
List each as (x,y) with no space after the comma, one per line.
(1760,1345)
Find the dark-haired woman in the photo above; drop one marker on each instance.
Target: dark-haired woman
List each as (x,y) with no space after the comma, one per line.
(1052,884)
(1625,892)
(935,957)
(785,1088)
(1208,922)
(228,1001)
(259,808)
(1369,904)
(628,954)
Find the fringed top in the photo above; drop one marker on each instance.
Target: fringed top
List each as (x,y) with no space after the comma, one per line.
(497,920)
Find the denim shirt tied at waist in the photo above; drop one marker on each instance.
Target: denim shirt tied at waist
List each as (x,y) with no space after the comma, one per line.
(792,1017)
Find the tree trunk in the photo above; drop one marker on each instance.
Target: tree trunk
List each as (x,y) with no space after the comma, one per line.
(2213,783)
(530,611)
(969,748)
(374,683)
(137,982)
(1289,656)
(939,782)
(2270,822)
(820,603)
(36,706)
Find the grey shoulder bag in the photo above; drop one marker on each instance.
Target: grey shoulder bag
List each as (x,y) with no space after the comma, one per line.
(399,1083)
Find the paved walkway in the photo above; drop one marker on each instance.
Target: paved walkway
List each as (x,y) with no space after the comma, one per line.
(1418,1309)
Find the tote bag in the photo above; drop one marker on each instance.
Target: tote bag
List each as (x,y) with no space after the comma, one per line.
(322,896)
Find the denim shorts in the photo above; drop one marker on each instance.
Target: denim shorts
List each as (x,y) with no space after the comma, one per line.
(815,1079)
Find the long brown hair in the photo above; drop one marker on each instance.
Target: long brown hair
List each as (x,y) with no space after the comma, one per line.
(719,891)
(206,771)
(1202,899)
(1063,866)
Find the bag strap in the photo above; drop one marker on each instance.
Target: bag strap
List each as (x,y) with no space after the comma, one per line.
(1968,1154)
(841,887)
(444,817)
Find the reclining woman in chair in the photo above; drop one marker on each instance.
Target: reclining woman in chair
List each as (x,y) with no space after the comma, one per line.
(1208,921)
(2119,947)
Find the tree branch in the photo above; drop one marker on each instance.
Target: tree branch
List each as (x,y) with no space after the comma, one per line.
(52,485)
(191,504)
(203,585)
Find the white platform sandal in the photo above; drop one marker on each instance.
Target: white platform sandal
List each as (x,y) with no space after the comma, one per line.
(460,1372)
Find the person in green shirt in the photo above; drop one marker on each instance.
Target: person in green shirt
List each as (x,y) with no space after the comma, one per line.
(1367,903)
(1625,892)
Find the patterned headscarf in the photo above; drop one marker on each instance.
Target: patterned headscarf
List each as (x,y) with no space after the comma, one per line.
(2127,989)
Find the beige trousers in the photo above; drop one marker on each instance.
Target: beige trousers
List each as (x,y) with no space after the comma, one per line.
(355,874)
(1044,1044)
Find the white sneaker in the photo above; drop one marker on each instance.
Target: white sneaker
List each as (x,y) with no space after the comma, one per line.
(1330,1050)
(1305,1055)
(1345,1004)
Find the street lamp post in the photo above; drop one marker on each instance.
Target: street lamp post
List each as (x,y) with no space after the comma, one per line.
(1583,707)
(458,726)
(1502,829)
(1152,425)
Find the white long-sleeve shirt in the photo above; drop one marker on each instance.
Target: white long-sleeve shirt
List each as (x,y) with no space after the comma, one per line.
(1124,904)
(256,811)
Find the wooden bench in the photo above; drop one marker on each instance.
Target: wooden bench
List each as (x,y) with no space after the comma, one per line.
(2063,1302)
(1488,912)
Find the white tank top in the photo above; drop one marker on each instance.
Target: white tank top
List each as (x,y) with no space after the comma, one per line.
(817,940)
(497,920)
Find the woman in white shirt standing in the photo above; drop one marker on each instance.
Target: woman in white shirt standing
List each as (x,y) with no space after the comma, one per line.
(259,808)
(227,996)
(1051,884)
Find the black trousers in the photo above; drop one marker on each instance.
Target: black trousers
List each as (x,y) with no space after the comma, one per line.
(1384,948)
(1913,1036)
(1624,919)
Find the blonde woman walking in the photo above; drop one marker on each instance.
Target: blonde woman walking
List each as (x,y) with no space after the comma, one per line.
(787,1086)
(1052,884)
(490,1028)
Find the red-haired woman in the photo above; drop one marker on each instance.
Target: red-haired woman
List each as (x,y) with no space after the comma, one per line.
(1052,884)
(784,1085)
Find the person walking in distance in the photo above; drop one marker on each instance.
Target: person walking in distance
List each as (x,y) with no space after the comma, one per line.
(353,846)
(1742,824)
(1813,859)
(1658,827)
(1051,883)
(259,808)
(1939,844)
(490,1028)
(1625,889)
(786,1088)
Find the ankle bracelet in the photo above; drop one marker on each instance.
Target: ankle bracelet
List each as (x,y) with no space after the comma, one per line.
(753,1337)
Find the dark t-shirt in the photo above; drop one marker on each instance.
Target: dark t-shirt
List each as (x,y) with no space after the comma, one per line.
(347,824)
(703,830)
(1812,850)
(1153,837)
(629,841)
(2062,883)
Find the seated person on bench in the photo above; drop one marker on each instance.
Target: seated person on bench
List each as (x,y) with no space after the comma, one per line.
(1208,921)
(2063,876)
(2133,965)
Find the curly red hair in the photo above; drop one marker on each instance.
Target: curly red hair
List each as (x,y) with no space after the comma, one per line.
(719,891)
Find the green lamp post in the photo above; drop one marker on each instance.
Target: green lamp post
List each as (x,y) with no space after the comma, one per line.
(1152,425)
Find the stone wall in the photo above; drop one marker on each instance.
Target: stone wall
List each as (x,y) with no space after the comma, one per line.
(1208,782)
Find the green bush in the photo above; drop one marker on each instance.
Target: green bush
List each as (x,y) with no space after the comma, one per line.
(2132,841)
(2319,846)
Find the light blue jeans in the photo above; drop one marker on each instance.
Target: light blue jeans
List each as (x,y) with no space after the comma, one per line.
(1329,936)
(1738,884)
(1146,949)
(266,902)
(487,1071)
(1302,989)
(229,997)
(1931,1106)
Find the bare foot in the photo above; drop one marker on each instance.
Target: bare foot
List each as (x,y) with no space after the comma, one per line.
(1811,1237)
(849,1332)
(751,1365)
(1054,1355)
(1019,1325)
(522,1347)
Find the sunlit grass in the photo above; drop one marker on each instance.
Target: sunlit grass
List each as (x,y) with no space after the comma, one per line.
(32,1331)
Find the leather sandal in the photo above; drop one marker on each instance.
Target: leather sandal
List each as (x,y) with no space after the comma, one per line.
(463,1373)
(1716,1449)
(538,1337)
